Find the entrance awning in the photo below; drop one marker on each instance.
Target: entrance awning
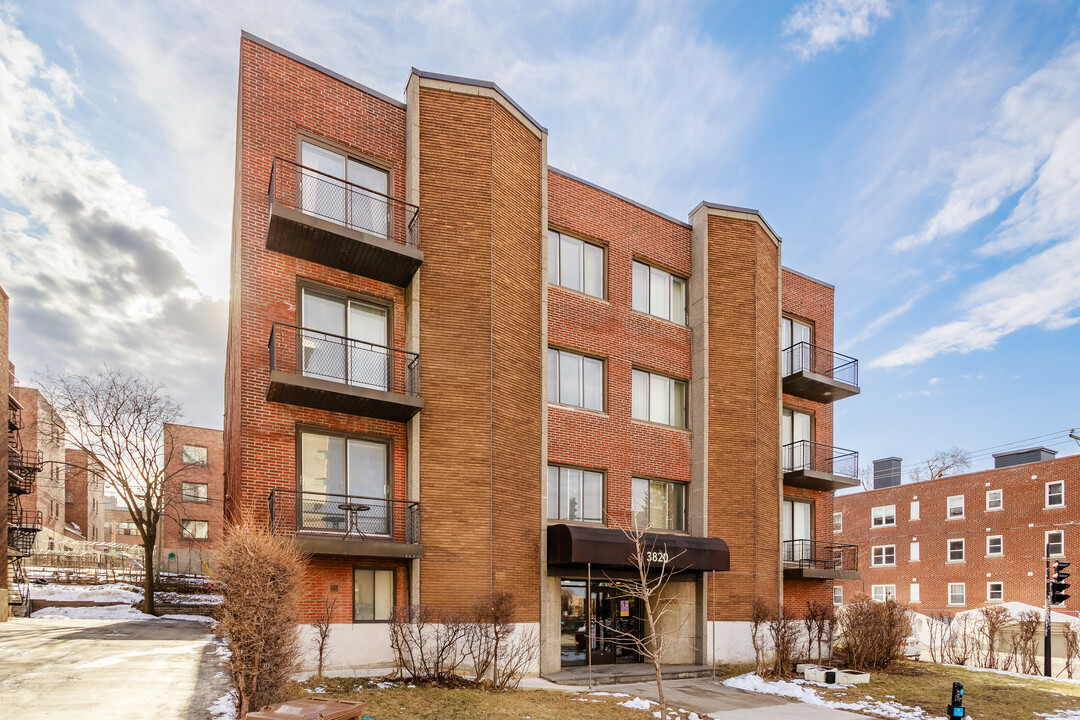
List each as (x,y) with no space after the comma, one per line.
(579,545)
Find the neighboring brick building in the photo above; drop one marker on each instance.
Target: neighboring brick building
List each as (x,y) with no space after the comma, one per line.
(119,527)
(453,369)
(193,521)
(43,432)
(966,541)
(8,501)
(84,500)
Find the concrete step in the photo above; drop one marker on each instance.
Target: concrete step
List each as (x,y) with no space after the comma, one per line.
(624,674)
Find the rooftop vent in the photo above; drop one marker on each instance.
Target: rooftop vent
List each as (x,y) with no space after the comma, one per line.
(1023,457)
(886,472)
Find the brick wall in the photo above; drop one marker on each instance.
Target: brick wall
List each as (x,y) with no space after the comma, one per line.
(1022,523)
(211,474)
(39,434)
(5,387)
(87,498)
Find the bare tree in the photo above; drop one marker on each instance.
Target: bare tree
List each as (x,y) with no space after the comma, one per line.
(759,618)
(993,619)
(1072,646)
(322,627)
(820,619)
(940,464)
(866,476)
(117,419)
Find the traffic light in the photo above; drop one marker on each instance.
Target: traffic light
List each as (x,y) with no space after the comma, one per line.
(1058,586)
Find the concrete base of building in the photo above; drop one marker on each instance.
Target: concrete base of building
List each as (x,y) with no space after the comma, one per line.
(728,641)
(185,561)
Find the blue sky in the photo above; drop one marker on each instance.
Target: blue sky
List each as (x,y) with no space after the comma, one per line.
(922,157)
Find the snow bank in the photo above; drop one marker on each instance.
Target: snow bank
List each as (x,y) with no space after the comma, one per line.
(98,612)
(223,708)
(799,690)
(111,593)
(637,704)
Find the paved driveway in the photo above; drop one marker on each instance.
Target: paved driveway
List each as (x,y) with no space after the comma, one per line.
(109,669)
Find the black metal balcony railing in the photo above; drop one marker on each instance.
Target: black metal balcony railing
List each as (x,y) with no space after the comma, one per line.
(15,421)
(23,526)
(821,555)
(805,357)
(23,468)
(326,356)
(321,195)
(294,512)
(809,455)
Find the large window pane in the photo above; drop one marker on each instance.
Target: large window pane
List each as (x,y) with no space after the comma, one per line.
(594,270)
(553,376)
(678,403)
(593,384)
(322,464)
(368,211)
(553,258)
(640,404)
(594,497)
(658,504)
(639,497)
(553,492)
(384,594)
(659,387)
(321,191)
(641,287)
(322,348)
(369,358)
(659,291)
(676,506)
(367,468)
(570,262)
(363,594)
(569,378)
(571,489)
(678,300)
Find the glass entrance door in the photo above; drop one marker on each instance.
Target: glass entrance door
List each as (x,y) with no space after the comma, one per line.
(598,629)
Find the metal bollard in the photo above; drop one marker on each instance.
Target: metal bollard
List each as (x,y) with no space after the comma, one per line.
(955,709)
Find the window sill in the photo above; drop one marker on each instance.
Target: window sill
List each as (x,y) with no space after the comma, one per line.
(1053,507)
(963,604)
(995,602)
(887,565)
(955,562)
(882,527)
(649,423)
(187,501)
(994,509)
(579,293)
(672,323)
(956,517)
(999,555)
(578,408)
(582,523)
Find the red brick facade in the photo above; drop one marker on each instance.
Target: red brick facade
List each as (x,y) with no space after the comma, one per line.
(42,432)
(1022,523)
(203,479)
(84,500)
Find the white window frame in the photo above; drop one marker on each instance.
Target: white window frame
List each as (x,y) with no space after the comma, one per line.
(645,304)
(963,593)
(884,554)
(990,593)
(913,510)
(555,274)
(837,522)
(1000,494)
(838,595)
(949,550)
(555,397)
(913,551)
(1046,496)
(673,411)
(1061,542)
(949,507)
(1001,546)
(914,594)
(887,592)
(886,512)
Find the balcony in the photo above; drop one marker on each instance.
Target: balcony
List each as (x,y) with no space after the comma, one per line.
(819,374)
(23,467)
(820,560)
(317,217)
(324,371)
(814,466)
(23,527)
(332,524)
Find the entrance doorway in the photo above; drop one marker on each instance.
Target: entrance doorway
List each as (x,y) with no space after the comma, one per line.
(596,629)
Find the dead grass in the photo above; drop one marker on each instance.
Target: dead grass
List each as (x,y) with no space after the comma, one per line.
(988,696)
(730,670)
(440,703)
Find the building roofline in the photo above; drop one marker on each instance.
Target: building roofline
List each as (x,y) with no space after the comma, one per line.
(193,427)
(625,199)
(426,75)
(826,284)
(1026,450)
(737,209)
(245,35)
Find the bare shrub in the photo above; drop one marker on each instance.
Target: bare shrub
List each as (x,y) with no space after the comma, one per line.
(820,622)
(962,638)
(427,645)
(1027,635)
(495,644)
(992,620)
(1072,646)
(322,629)
(872,633)
(784,635)
(259,575)
(759,619)
(938,627)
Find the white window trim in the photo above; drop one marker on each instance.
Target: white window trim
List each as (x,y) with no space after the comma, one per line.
(948,508)
(884,515)
(949,593)
(948,550)
(1001,499)
(1046,543)
(1046,495)
(914,551)
(873,556)
(997,554)
(837,522)
(841,589)
(885,592)
(995,600)
(914,511)
(914,593)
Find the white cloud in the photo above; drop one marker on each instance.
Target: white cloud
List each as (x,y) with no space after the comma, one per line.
(821,25)
(934,380)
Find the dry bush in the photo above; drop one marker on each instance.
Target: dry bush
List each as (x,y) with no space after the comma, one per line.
(259,575)
(992,620)
(1029,626)
(322,629)
(872,633)
(495,645)
(820,622)
(1072,645)
(784,635)
(759,618)
(963,639)
(426,644)
(939,626)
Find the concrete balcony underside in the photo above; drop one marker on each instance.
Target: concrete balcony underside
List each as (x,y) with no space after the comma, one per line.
(812,573)
(817,387)
(341,397)
(818,480)
(317,543)
(293,232)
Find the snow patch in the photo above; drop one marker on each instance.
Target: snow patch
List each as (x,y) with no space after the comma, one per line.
(799,690)
(108,593)
(637,704)
(609,694)
(224,708)
(98,612)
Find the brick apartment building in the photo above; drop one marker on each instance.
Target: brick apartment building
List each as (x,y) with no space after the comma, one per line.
(6,375)
(194,519)
(84,500)
(43,439)
(119,527)
(965,541)
(453,369)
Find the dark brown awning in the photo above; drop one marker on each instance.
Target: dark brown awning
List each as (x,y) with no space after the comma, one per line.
(579,545)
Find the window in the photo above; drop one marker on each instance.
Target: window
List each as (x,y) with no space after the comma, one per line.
(362,204)
(795,339)
(995,591)
(335,469)
(914,592)
(994,546)
(126,528)
(575,264)
(956,550)
(575,380)
(1055,494)
(838,594)
(659,293)
(575,494)
(659,504)
(797,530)
(69,497)
(993,500)
(914,552)
(193,492)
(881,593)
(957,594)
(193,455)
(838,522)
(194,529)
(884,555)
(914,510)
(883,516)
(955,507)
(344,339)
(373,594)
(1055,543)
(658,399)
(796,450)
